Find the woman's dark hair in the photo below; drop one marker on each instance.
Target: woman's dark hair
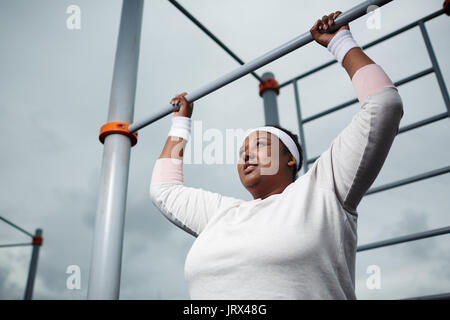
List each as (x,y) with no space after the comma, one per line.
(286,150)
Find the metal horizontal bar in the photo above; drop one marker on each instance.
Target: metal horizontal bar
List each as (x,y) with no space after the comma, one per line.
(413,77)
(440,296)
(307,73)
(331,110)
(211,35)
(403,29)
(366,46)
(312,160)
(423,122)
(15,245)
(355,100)
(419,177)
(300,41)
(402,239)
(408,127)
(17,227)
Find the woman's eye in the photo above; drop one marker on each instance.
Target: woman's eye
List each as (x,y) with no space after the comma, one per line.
(241,152)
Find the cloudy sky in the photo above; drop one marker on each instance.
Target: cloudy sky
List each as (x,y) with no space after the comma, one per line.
(54,95)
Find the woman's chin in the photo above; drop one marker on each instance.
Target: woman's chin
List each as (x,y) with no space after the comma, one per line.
(251,179)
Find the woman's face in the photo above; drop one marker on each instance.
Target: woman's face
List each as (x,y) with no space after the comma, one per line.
(259,160)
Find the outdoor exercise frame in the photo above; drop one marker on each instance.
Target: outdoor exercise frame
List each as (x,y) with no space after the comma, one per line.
(120,133)
(36,242)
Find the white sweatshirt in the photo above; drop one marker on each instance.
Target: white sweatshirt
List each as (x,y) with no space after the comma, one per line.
(301,243)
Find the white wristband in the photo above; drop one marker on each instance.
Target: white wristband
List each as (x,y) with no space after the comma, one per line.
(341,44)
(181,127)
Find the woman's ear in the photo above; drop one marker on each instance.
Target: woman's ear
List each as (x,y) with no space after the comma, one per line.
(292,162)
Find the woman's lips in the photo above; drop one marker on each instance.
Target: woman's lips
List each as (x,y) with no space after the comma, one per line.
(250,168)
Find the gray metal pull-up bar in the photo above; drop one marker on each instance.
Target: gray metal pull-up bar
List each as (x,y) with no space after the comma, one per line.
(353,14)
(104,278)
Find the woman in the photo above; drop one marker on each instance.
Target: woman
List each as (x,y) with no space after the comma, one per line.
(297,239)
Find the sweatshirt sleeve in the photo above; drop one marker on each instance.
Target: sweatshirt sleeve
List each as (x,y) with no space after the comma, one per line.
(355,157)
(188,208)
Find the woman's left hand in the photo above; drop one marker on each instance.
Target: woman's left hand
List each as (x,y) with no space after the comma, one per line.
(324,24)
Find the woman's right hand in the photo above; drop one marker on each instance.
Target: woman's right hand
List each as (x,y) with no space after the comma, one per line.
(185,109)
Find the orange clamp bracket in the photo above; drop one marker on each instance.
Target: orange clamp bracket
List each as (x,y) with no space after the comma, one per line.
(37,241)
(117,127)
(268,84)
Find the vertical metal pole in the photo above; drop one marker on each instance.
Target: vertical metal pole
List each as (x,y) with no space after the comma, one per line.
(435,64)
(37,242)
(270,103)
(300,126)
(104,277)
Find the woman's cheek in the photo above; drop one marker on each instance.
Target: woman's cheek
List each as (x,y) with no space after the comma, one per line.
(265,161)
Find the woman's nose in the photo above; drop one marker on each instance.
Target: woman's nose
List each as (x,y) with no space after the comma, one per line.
(249,156)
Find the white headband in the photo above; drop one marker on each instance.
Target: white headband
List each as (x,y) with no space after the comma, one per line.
(284,137)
